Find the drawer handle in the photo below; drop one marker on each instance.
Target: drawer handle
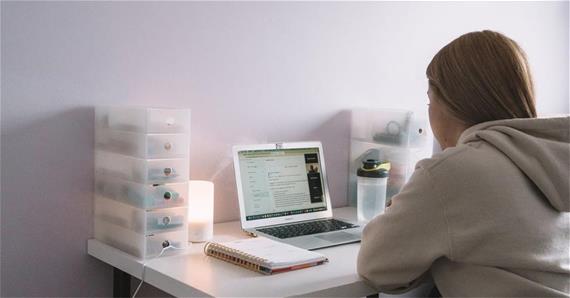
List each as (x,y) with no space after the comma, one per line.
(166,220)
(169,122)
(168,171)
(167,146)
(168,195)
(165,244)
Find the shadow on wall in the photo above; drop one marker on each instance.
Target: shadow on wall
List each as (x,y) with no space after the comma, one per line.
(334,133)
(47,179)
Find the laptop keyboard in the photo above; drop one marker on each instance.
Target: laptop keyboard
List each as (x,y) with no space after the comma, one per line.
(307,228)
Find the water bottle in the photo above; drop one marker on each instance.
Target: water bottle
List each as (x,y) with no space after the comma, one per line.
(371,189)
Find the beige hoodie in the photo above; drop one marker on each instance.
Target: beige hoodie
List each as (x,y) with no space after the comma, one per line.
(488,217)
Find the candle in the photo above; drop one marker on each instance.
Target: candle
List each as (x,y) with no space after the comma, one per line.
(200,211)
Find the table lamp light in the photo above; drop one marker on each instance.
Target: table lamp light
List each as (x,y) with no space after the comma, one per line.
(200,211)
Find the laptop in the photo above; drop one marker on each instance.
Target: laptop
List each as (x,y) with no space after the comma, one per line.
(283,195)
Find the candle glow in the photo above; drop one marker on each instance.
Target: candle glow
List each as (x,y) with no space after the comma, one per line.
(200,211)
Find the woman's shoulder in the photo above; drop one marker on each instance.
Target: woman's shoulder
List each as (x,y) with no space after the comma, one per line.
(472,160)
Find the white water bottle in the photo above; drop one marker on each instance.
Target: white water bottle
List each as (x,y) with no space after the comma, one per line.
(371,190)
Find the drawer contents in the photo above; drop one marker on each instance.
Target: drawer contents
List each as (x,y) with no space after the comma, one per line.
(145,196)
(146,171)
(142,145)
(139,245)
(139,220)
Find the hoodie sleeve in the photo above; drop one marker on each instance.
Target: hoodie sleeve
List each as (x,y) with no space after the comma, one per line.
(399,246)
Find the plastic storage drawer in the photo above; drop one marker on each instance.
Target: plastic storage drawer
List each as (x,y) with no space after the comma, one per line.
(145,196)
(145,120)
(137,244)
(142,145)
(398,136)
(139,220)
(146,171)
(398,128)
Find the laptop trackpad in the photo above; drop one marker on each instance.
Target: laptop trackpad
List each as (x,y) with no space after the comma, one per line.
(338,237)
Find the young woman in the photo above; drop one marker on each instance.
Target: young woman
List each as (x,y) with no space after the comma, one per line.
(488,216)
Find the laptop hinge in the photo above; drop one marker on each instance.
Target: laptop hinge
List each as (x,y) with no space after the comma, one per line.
(250,233)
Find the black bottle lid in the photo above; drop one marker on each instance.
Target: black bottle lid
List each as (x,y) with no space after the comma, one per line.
(372,168)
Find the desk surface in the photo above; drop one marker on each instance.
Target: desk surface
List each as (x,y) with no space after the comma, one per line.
(195,274)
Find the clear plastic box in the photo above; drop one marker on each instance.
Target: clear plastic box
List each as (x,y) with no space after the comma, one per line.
(145,196)
(142,145)
(141,119)
(141,221)
(398,136)
(145,171)
(139,245)
(399,128)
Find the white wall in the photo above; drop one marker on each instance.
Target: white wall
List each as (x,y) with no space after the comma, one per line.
(250,72)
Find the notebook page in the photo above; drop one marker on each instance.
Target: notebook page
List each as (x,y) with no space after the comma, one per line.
(277,254)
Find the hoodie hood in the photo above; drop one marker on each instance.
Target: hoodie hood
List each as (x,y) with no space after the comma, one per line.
(540,147)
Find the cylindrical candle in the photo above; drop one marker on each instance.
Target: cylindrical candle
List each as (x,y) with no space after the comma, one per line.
(200,211)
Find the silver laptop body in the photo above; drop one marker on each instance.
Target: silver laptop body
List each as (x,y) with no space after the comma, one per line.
(284,186)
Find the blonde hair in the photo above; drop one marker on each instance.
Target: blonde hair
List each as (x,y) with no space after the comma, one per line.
(483,76)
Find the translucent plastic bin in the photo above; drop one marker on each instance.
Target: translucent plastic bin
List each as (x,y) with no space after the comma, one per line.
(136,244)
(145,120)
(139,220)
(145,196)
(397,136)
(391,127)
(143,145)
(146,171)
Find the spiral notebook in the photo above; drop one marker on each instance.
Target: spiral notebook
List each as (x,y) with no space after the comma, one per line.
(264,255)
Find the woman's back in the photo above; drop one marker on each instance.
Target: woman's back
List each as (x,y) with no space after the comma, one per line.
(497,189)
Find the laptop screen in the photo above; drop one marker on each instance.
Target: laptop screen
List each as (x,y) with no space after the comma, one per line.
(281,182)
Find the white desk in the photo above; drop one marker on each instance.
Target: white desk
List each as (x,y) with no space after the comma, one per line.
(194,274)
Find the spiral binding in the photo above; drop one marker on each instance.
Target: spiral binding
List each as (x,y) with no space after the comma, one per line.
(236,257)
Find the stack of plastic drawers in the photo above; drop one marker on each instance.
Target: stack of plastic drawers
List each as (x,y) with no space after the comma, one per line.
(141,178)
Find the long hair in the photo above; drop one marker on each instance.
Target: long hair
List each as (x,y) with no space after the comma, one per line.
(483,76)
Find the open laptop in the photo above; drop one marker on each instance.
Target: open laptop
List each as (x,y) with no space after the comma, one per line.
(283,195)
